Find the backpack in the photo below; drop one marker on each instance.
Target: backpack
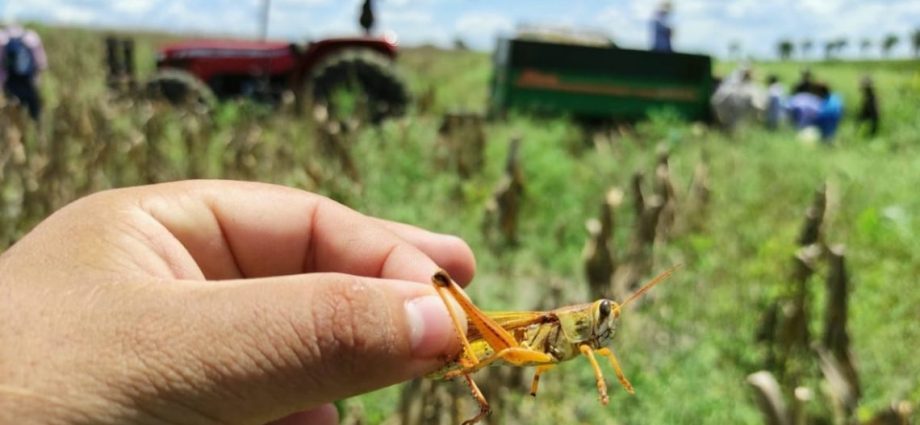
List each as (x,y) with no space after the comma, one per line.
(18,58)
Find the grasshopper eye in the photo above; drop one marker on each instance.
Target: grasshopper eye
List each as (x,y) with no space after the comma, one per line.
(604,309)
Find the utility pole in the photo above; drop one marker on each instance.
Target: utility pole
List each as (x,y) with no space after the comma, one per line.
(263,28)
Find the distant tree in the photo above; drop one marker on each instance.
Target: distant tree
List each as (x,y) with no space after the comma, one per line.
(840,45)
(806,46)
(865,45)
(785,49)
(734,49)
(829,47)
(459,44)
(888,43)
(915,40)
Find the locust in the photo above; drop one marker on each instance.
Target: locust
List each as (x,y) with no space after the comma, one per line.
(532,338)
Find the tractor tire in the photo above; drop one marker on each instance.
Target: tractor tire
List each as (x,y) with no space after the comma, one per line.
(371,74)
(180,88)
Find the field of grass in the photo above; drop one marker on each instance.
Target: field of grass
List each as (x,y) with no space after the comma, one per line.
(687,352)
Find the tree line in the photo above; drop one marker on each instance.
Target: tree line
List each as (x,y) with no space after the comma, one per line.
(788,48)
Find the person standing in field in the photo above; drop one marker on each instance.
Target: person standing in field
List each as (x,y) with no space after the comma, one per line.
(806,83)
(828,118)
(22,59)
(738,99)
(868,112)
(367,17)
(776,96)
(662,30)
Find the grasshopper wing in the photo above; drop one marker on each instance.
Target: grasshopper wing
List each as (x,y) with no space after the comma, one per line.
(510,321)
(513,320)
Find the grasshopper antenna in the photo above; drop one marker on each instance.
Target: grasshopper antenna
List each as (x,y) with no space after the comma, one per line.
(658,279)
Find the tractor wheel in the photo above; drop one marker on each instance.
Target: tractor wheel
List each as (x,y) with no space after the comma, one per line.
(362,79)
(180,88)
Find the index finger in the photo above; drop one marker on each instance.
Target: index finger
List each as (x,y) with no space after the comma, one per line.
(237,229)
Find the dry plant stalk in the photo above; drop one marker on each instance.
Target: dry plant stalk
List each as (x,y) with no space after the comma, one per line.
(461,142)
(664,187)
(599,256)
(503,209)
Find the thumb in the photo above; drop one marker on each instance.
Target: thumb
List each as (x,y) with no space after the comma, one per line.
(259,349)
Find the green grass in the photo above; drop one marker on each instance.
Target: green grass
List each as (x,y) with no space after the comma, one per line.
(687,352)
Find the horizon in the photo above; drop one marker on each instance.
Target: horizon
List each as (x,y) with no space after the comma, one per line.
(757,28)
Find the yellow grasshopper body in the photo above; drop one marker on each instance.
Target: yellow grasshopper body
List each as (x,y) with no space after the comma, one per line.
(533,338)
(558,333)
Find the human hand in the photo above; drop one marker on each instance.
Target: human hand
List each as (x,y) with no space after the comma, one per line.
(216,302)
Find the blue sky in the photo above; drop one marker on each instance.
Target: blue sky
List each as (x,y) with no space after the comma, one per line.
(701,25)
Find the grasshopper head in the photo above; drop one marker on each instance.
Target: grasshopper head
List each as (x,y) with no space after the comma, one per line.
(605,313)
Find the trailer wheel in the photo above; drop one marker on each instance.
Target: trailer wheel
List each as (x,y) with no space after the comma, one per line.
(179,88)
(369,81)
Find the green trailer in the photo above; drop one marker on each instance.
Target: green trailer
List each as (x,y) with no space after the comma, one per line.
(598,81)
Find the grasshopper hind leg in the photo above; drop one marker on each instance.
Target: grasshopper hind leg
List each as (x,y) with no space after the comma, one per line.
(442,284)
(484,409)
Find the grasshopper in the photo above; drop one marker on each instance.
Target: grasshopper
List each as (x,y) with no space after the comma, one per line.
(532,338)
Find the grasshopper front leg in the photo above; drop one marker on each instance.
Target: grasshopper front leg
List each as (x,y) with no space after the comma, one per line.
(608,353)
(598,376)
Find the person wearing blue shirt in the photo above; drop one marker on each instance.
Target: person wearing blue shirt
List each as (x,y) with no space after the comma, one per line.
(829,115)
(823,109)
(661,29)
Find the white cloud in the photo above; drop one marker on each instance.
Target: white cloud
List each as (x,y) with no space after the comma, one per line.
(51,10)
(133,7)
(476,23)
(739,9)
(695,7)
(413,26)
(285,4)
(406,17)
(299,22)
(480,29)
(74,15)
(405,3)
(627,30)
(822,7)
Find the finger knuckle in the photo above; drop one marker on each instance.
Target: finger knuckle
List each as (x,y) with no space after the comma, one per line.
(351,322)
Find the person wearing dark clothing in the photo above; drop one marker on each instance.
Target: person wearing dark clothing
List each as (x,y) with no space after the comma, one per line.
(806,84)
(22,59)
(868,112)
(26,93)
(367,16)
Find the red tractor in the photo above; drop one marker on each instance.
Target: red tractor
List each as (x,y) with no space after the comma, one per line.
(202,70)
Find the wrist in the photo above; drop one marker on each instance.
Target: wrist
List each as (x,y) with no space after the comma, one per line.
(20,404)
